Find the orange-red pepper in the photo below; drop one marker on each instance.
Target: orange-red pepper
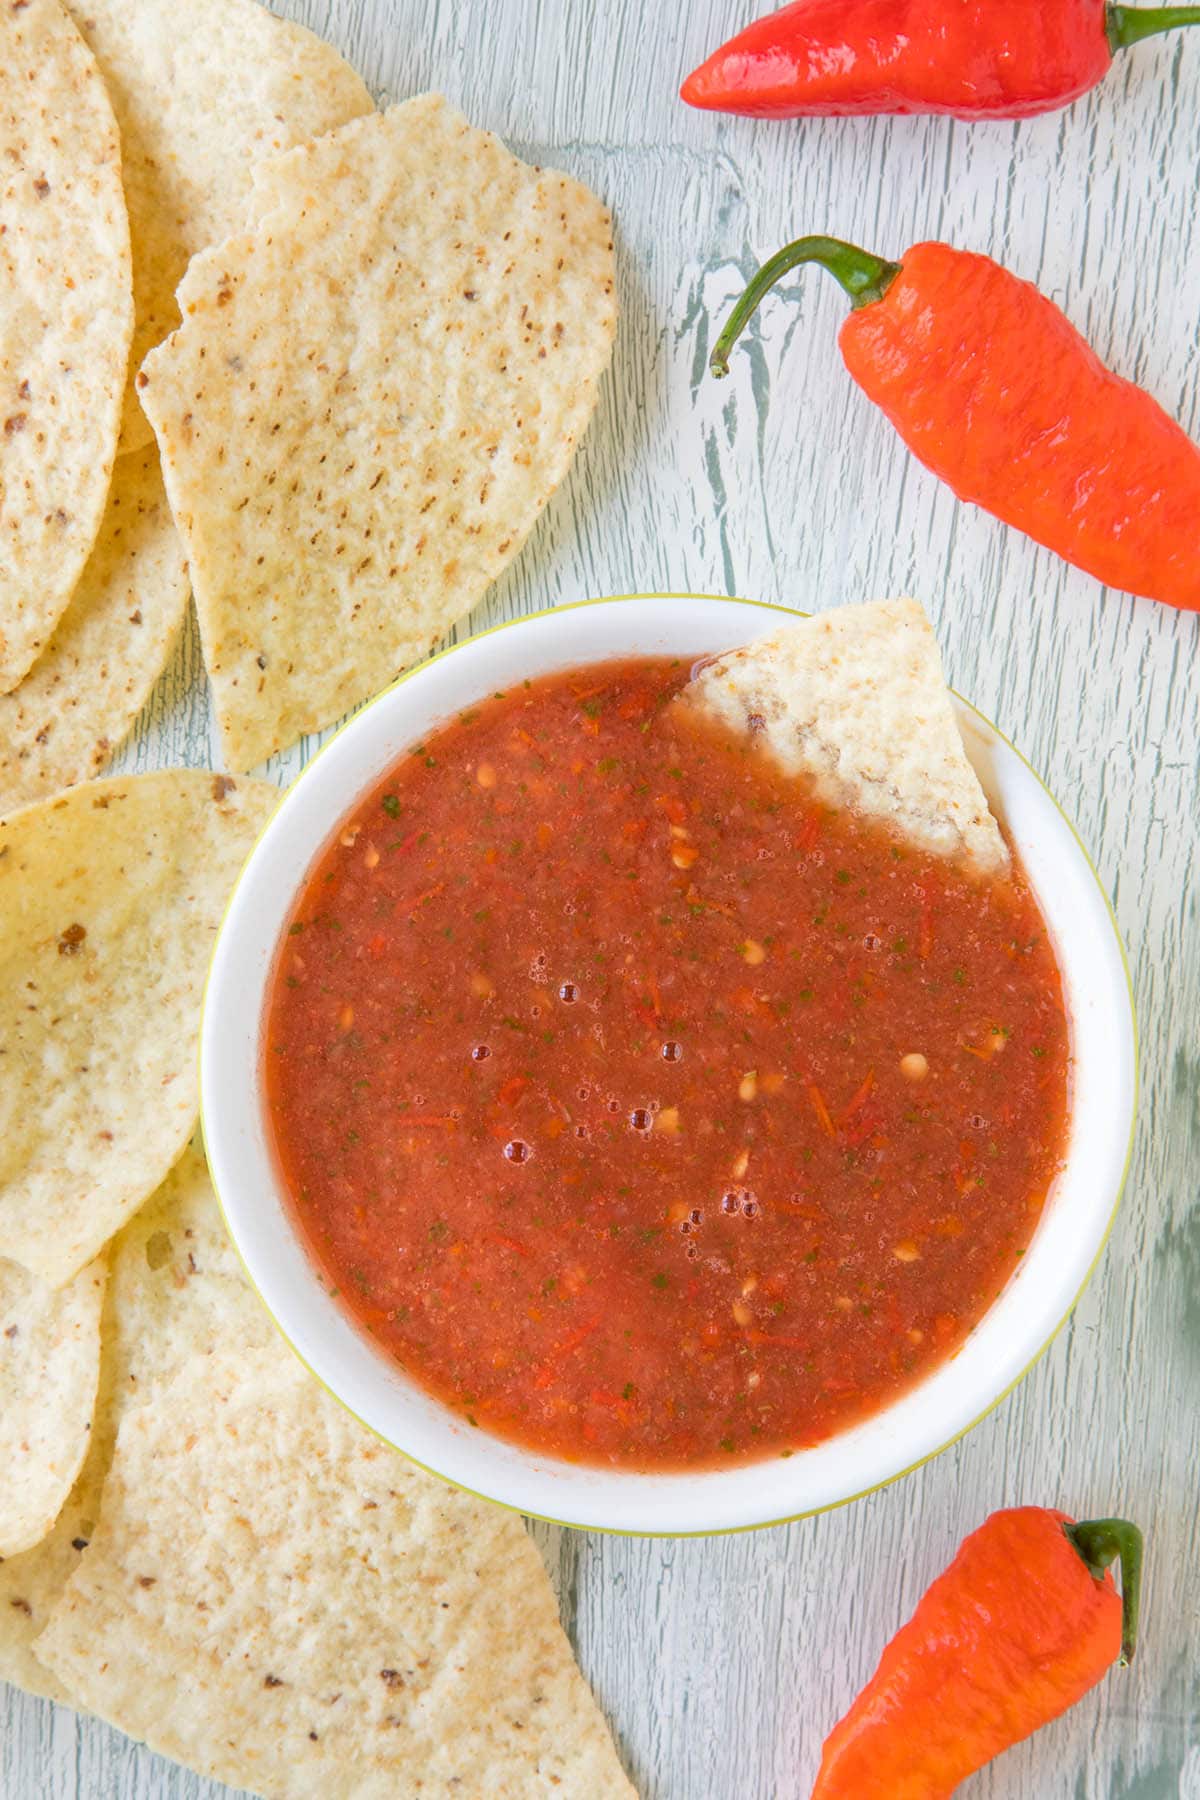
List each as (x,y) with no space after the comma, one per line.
(991,386)
(1024,1621)
(977,59)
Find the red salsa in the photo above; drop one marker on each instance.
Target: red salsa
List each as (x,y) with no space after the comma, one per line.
(646,1110)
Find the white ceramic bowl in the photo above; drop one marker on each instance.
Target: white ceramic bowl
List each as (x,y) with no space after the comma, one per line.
(1008,1340)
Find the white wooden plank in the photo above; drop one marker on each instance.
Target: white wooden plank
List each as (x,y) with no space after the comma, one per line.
(723,1662)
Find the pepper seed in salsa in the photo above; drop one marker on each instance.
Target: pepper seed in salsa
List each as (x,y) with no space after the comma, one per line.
(643,1108)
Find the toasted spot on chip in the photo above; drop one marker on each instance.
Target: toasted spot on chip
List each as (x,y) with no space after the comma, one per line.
(158,1249)
(342,428)
(49,1367)
(110,899)
(856,700)
(66,314)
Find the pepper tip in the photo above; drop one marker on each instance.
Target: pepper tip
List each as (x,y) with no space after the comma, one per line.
(696,90)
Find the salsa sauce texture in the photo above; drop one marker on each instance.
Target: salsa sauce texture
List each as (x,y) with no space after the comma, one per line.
(647,1111)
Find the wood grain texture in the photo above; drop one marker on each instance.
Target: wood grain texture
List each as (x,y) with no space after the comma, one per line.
(723,1662)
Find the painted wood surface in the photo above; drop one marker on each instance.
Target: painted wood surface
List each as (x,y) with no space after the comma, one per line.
(722,1662)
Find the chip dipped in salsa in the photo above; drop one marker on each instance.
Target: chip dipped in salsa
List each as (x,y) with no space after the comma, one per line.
(645,1107)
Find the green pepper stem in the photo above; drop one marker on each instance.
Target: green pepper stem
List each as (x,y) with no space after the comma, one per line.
(1130,24)
(866,278)
(1100,1542)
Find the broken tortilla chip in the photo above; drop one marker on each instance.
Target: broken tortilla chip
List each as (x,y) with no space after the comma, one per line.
(111,895)
(280,1601)
(374,392)
(31,1584)
(201,93)
(856,700)
(63,722)
(66,313)
(49,1367)
(176,1291)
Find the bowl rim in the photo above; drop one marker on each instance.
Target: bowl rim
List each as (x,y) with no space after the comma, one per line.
(722,1530)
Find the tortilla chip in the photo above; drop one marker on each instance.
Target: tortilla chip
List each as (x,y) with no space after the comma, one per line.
(110,899)
(176,1290)
(62,724)
(280,1601)
(201,92)
(856,699)
(66,313)
(371,398)
(49,1366)
(32,1584)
